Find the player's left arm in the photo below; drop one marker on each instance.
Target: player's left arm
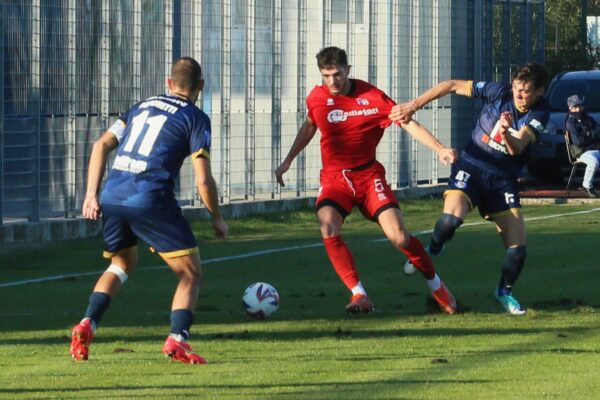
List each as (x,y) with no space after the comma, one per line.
(445,154)
(207,189)
(517,140)
(102,147)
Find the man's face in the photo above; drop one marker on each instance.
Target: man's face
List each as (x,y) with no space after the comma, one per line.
(525,95)
(336,79)
(576,109)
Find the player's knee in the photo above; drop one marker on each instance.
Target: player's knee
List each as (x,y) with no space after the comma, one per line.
(400,239)
(119,272)
(190,273)
(193,276)
(445,227)
(329,229)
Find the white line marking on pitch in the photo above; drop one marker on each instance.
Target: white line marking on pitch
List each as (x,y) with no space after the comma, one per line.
(268,251)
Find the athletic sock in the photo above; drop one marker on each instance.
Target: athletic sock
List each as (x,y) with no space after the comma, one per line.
(359,289)
(435,283)
(342,260)
(416,254)
(97,305)
(512,267)
(434,247)
(504,290)
(181,322)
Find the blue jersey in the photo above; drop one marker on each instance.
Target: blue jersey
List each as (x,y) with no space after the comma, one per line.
(155,136)
(486,149)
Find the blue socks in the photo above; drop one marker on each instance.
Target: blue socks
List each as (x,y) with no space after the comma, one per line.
(181,322)
(97,306)
(511,269)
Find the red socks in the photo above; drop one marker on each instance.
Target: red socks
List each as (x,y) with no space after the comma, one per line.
(417,255)
(342,260)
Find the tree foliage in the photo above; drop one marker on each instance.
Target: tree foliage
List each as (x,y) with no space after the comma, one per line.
(567,46)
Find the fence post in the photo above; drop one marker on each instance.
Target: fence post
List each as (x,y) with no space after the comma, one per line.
(301,83)
(105,62)
(137,52)
(373,40)
(506,40)
(326,23)
(35,110)
(225,97)
(71,144)
(250,180)
(276,93)
(1,112)
(196,49)
(435,45)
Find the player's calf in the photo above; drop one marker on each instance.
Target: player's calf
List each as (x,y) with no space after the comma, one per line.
(443,232)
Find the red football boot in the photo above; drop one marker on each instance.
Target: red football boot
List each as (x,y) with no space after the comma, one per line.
(359,303)
(445,299)
(181,351)
(81,338)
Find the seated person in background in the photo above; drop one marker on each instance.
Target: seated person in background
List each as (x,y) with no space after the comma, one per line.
(585,134)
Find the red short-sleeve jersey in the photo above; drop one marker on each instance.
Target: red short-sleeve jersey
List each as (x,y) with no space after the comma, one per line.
(351,125)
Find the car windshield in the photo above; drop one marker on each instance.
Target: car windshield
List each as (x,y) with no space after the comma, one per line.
(562,89)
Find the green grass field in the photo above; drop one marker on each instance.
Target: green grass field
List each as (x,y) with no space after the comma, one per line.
(310,349)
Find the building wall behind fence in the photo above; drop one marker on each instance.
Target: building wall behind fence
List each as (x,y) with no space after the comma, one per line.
(70,67)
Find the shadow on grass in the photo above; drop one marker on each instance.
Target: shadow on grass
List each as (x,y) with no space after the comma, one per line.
(87,391)
(299,335)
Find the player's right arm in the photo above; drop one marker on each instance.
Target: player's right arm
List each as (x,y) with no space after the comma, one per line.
(207,189)
(403,112)
(305,134)
(102,147)
(445,154)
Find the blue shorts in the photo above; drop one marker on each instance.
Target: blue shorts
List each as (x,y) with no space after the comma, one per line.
(165,230)
(494,195)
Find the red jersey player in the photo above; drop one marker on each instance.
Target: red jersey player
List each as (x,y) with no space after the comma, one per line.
(351,115)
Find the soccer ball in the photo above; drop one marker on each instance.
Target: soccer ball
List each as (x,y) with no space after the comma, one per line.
(260,300)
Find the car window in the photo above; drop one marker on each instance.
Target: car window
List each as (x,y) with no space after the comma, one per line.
(562,89)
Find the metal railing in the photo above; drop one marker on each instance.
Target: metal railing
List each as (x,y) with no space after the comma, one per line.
(69,68)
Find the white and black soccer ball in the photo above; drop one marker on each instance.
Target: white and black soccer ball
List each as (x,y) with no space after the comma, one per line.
(260,300)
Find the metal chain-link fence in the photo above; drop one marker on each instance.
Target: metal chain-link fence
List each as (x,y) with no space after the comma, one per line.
(70,67)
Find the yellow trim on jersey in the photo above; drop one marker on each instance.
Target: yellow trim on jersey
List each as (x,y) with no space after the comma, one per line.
(530,133)
(447,192)
(511,211)
(470,94)
(108,254)
(201,153)
(177,253)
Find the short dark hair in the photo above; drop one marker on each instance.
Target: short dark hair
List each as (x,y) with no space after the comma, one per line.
(331,56)
(186,73)
(532,72)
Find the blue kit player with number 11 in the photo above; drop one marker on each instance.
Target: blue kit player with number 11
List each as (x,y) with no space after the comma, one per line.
(138,201)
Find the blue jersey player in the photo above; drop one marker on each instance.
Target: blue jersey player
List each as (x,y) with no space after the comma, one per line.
(486,173)
(138,201)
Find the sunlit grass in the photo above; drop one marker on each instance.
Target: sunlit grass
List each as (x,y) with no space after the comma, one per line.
(310,349)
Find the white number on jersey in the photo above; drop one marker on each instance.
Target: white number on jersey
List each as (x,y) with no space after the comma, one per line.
(150,127)
(509,198)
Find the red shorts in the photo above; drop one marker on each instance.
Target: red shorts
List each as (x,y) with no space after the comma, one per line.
(365,187)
